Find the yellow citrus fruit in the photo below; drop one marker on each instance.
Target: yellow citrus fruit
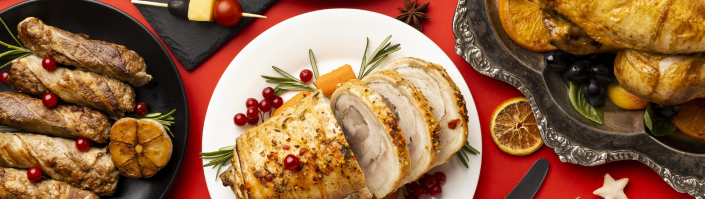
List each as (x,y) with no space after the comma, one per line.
(691,118)
(523,22)
(623,99)
(514,128)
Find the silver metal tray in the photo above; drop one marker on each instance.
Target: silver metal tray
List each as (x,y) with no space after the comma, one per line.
(482,42)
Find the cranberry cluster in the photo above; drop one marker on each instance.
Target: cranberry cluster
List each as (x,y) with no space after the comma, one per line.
(255,108)
(428,185)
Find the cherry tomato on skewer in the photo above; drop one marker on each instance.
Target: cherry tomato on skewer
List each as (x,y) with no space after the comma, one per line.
(227,12)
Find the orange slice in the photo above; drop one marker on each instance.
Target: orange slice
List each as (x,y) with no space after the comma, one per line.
(514,128)
(691,118)
(523,22)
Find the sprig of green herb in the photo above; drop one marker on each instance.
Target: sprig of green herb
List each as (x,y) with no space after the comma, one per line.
(8,129)
(577,99)
(657,126)
(166,120)
(287,83)
(219,158)
(314,67)
(18,52)
(462,154)
(381,53)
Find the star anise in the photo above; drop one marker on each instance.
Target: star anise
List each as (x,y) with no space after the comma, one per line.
(413,13)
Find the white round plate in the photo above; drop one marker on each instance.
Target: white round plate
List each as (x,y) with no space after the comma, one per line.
(337,37)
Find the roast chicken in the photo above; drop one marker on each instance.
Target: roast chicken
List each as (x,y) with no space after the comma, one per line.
(374,136)
(660,26)
(15,185)
(445,100)
(417,123)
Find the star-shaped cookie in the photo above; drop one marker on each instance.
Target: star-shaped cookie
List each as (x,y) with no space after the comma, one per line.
(612,189)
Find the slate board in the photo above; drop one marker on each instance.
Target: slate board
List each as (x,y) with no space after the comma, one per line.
(193,41)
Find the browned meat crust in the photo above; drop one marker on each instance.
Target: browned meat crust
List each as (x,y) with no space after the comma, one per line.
(79,87)
(61,160)
(14,185)
(70,121)
(78,50)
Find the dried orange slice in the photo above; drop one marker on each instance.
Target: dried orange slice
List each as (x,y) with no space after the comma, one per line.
(691,118)
(514,128)
(523,22)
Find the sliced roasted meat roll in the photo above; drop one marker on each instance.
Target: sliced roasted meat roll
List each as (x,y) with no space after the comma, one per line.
(15,185)
(374,136)
(320,163)
(416,120)
(72,86)
(447,103)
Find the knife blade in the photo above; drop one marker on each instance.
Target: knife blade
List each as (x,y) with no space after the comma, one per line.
(531,182)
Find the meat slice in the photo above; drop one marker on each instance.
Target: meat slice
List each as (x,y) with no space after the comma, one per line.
(447,103)
(308,131)
(15,185)
(79,87)
(61,160)
(69,121)
(416,120)
(78,50)
(374,136)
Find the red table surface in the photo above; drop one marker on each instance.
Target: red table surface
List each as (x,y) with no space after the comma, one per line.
(499,173)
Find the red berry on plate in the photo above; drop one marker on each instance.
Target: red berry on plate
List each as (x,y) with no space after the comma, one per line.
(420,192)
(251,102)
(253,121)
(440,177)
(4,75)
(50,100)
(227,12)
(240,119)
(435,190)
(265,105)
(306,75)
(34,174)
(141,108)
(252,113)
(410,196)
(277,102)
(48,63)
(428,181)
(82,144)
(291,162)
(268,93)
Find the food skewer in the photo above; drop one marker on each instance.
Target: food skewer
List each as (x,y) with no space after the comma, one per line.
(226,12)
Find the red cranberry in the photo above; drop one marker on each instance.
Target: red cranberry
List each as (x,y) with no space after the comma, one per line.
(410,196)
(420,192)
(277,102)
(240,119)
(440,177)
(48,63)
(82,144)
(34,174)
(50,100)
(265,105)
(268,93)
(291,162)
(428,181)
(251,102)
(4,75)
(306,75)
(253,121)
(141,108)
(435,190)
(252,113)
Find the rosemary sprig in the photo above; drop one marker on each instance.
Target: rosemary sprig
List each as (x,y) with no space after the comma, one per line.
(287,83)
(8,129)
(15,52)
(219,158)
(166,120)
(314,67)
(381,53)
(462,154)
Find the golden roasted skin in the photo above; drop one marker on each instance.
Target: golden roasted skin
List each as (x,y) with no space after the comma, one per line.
(15,185)
(69,121)
(661,26)
(78,50)
(570,38)
(79,87)
(61,160)
(659,78)
(328,169)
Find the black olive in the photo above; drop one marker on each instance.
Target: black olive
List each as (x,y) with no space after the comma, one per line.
(603,73)
(594,92)
(665,110)
(179,8)
(557,60)
(579,71)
